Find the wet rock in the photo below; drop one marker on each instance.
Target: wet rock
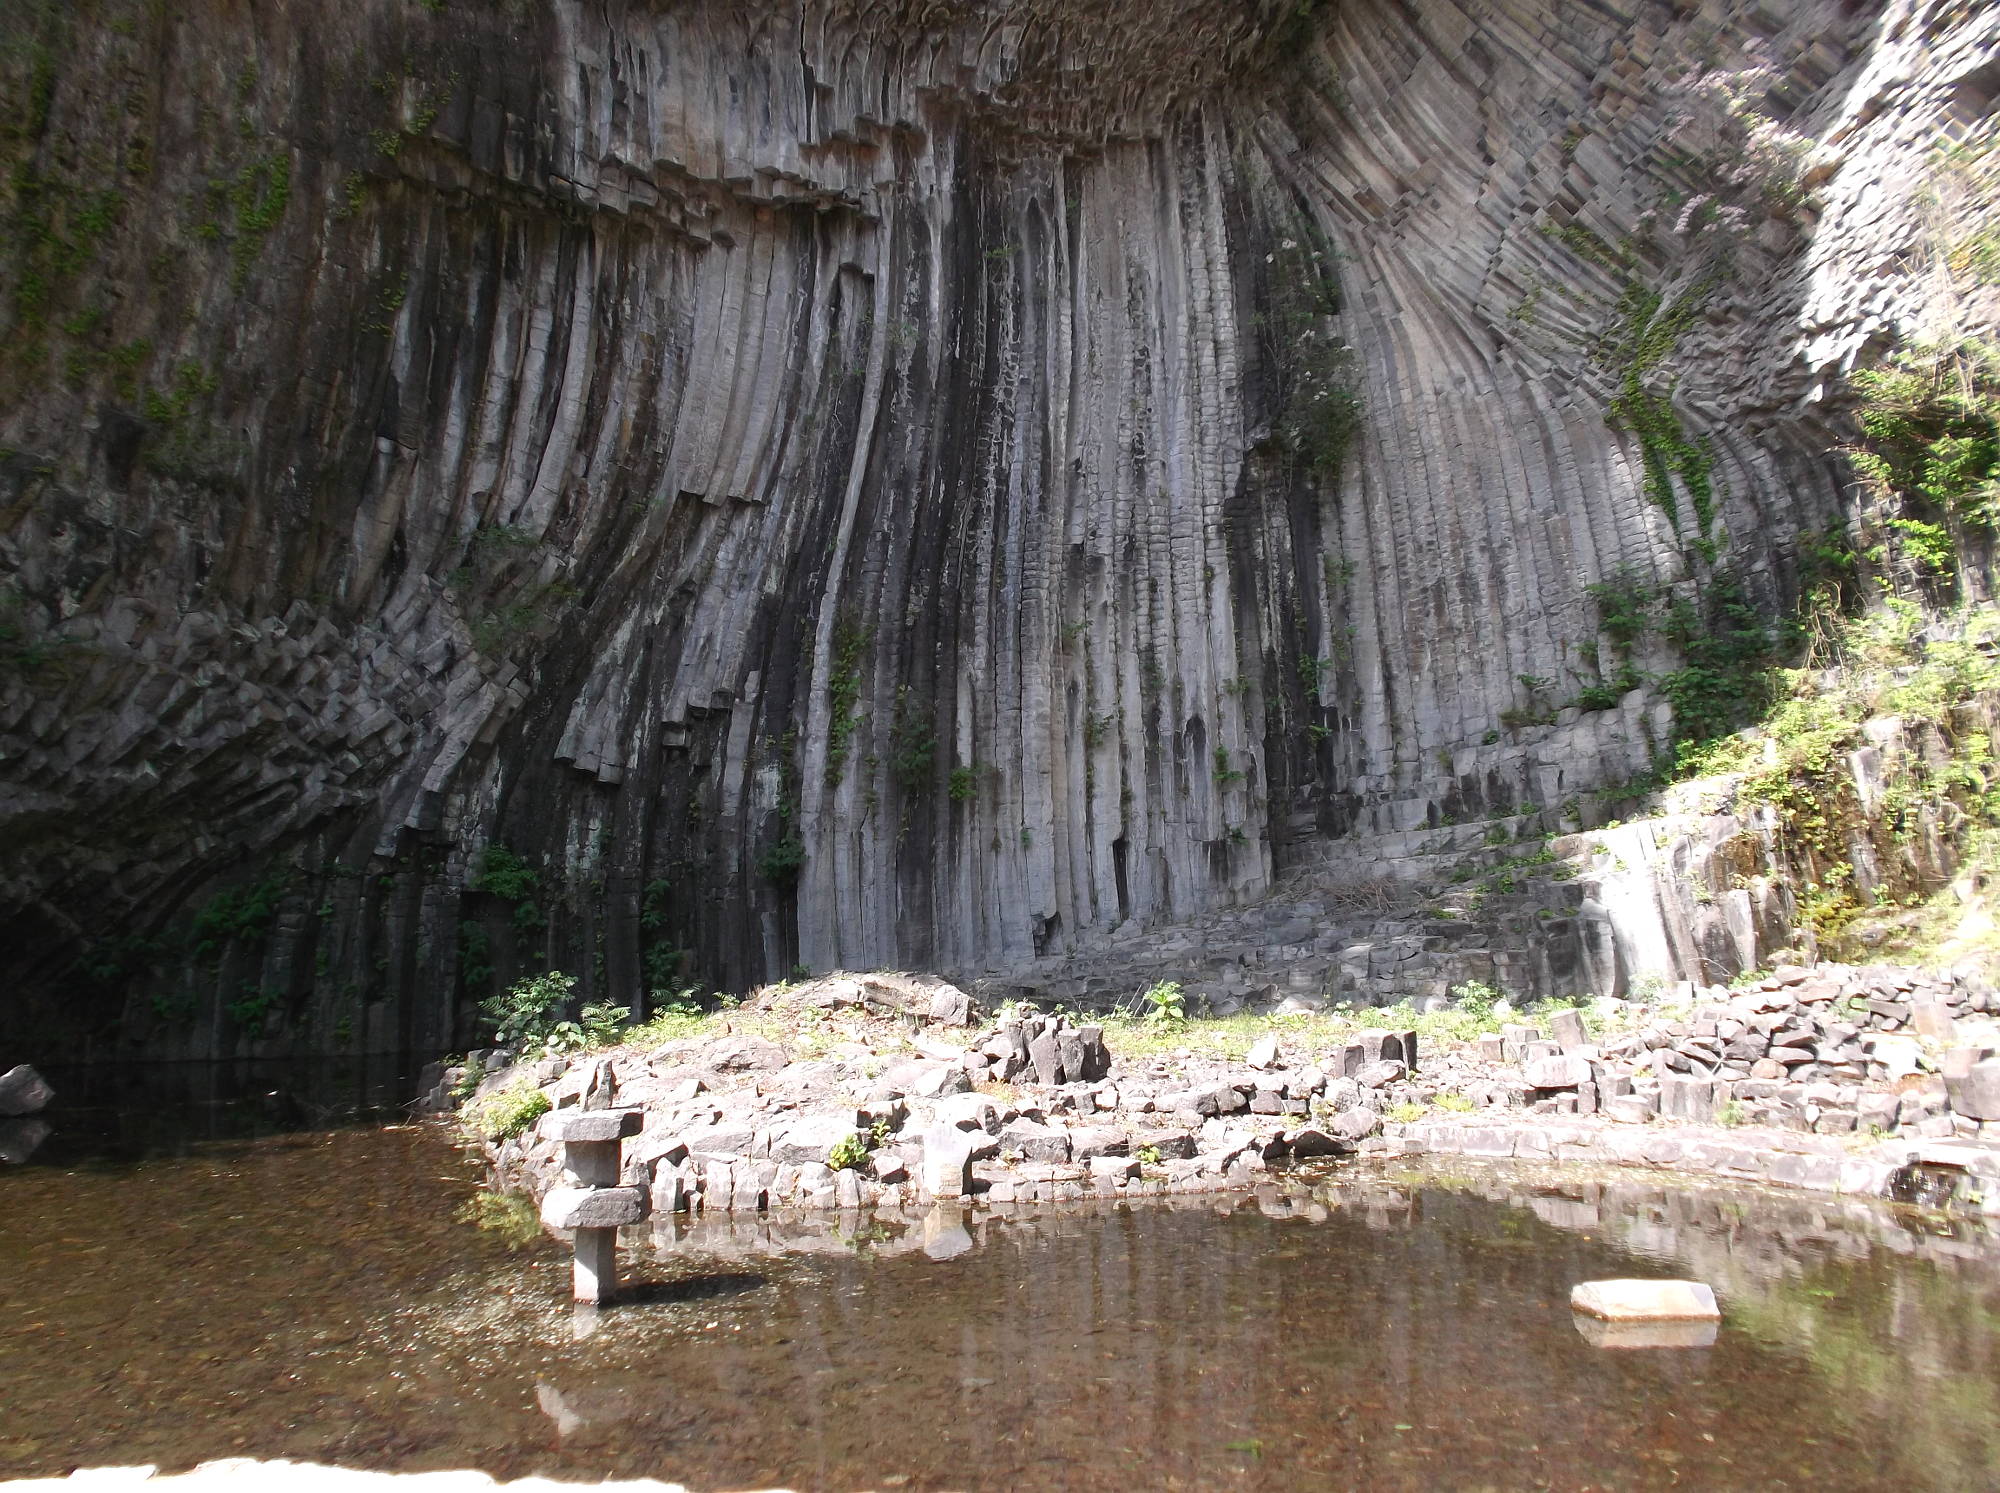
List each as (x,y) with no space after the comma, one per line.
(23,1091)
(21,1137)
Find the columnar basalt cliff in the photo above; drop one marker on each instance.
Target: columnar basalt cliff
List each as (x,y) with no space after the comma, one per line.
(676,491)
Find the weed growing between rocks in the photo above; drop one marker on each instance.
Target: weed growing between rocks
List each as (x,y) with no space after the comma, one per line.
(507,1112)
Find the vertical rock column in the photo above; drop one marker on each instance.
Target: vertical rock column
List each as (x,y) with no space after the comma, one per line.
(592,1203)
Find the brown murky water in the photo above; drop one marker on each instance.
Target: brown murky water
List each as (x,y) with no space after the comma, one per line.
(328,1295)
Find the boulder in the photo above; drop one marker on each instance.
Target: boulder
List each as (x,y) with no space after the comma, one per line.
(969,1112)
(1035,1142)
(1381,1074)
(1046,1054)
(1263,1054)
(947,1161)
(1354,1124)
(1567,1029)
(590,1124)
(1645,1301)
(950,1006)
(23,1091)
(743,1055)
(813,1138)
(1558,1072)
(940,1078)
(1087,1141)
(1977,1094)
(1313,1141)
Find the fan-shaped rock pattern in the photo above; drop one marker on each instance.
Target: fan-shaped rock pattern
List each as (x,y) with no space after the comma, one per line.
(867,484)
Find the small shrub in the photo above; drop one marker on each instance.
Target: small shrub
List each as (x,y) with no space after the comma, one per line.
(509,1217)
(525,1014)
(1404,1113)
(1731,1113)
(1456,1104)
(847,1154)
(504,1115)
(1168,1002)
(1475,998)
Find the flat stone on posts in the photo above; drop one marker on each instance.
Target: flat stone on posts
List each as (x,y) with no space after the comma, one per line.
(1645,1301)
(594,1207)
(568,1125)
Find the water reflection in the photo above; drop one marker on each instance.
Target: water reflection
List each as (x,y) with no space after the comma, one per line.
(318,1296)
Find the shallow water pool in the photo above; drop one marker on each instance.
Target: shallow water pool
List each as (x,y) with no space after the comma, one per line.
(349,1296)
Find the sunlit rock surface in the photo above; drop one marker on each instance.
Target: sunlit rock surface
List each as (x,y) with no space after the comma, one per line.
(846,485)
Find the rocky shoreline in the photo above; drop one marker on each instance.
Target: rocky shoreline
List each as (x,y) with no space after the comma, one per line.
(881,1091)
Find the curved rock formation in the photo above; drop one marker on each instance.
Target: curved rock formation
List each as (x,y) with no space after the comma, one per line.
(683,491)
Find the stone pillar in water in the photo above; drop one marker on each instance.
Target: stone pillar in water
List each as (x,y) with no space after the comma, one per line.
(591,1203)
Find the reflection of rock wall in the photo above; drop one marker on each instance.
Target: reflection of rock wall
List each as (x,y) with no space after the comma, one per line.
(813,481)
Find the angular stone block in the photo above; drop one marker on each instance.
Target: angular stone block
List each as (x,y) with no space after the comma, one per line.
(1602,1334)
(1977,1094)
(590,1124)
(1559,1072)
(947,1161)
(23,1091)
(1645,1301)
(594,1207)
(1046,1055)
(1567,1029)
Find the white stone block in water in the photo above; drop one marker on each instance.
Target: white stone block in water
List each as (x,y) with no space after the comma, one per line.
(1645,1301)
(1602,1334)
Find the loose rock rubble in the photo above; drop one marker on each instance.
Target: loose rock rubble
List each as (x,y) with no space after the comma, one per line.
(1831,1050)
(889,1096)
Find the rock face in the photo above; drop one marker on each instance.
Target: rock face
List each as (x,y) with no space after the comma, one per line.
(23,1091)
(685,491)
